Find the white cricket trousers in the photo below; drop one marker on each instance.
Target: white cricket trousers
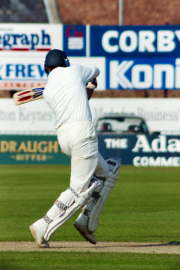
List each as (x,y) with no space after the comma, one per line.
(79,141)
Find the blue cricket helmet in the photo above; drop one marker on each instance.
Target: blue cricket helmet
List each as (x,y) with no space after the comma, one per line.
(54,58)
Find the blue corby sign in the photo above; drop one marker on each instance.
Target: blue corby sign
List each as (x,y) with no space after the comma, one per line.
(135,41)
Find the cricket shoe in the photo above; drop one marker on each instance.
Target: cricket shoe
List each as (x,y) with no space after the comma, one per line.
(38,229)
(81,225)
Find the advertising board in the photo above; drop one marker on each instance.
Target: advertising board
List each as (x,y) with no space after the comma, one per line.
(28,149)
(33,117)
(142,150)
(138,150)
(30,37)
(74,40)
(134,57)
(160,114)
(135,41)
(21,70)
(143,73)
(36,117)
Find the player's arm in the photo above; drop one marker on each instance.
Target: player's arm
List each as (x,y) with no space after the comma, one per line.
(90,86)
(89,73)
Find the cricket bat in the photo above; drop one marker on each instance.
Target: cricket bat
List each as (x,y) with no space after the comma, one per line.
(28,95)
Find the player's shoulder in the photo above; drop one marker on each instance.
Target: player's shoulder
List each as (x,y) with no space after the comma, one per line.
(75,69)
(81,70)
(72,67)
(76,66)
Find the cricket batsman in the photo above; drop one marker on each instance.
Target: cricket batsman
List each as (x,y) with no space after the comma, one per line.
(92,178)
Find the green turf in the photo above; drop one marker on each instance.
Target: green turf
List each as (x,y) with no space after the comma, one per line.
(144,205)
(87,261)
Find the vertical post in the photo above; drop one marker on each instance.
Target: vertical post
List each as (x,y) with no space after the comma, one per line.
(120,12)
(87,40)
(52,11)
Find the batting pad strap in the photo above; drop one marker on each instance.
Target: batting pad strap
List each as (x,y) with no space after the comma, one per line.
(80,201)
(86,212)
(100,178)
(96,195)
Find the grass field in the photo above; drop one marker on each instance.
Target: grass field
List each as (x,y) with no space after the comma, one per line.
(87,261)
(143,207)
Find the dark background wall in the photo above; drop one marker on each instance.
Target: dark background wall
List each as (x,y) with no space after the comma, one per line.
(106,12)
(92,12)
(153,12)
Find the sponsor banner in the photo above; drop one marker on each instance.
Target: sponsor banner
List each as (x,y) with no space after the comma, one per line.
(30,117)
(16,149)
(74,40)
(26,70)
(22,70)
(142,150)
(160,114)
(133,57)
(36,117)
(144,73)
(95,41)
(138,57)
(30,37)
(135,41)
(137,150)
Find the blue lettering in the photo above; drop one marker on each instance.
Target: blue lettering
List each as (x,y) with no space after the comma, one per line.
(47,37)
(41,71)
(34,41)
(20,69)
(30,70)
(24,39)
(10,40)
(8,69)
(6,40)
(15,37)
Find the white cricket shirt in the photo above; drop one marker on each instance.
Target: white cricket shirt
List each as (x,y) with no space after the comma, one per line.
(66,94)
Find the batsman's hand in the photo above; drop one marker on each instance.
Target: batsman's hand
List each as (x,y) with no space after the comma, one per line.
(90,86)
